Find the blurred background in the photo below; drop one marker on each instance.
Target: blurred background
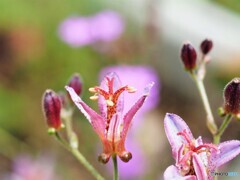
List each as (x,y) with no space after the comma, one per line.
(42,43)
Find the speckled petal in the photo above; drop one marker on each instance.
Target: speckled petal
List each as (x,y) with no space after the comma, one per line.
(171,173)
(130,114)
(95,119)
(199,167)
(227,151)
(172,125)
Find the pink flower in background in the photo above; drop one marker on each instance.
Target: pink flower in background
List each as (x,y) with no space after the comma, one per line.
(112,124)
(75,31)
(138,75)
(194,159)
(107,26)
(26,168)
(82,30)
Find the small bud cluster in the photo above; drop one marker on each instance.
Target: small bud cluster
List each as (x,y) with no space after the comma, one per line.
(189,55)
(53,103)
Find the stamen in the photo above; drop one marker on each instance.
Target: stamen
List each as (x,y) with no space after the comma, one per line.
(131,89)
(109,103)
(207,146)
(184,134)
(92,90)
(94,97)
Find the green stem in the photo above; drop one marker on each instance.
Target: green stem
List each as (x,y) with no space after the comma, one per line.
(66,116)
(210,119)
(72,137)
(222,128)
(79,157)
(114,158)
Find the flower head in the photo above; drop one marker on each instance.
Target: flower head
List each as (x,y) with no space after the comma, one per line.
(110,125)
(105,26)
(194,159)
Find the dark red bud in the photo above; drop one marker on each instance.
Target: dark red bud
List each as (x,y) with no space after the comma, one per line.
(188,56)
(104,158)
(75,82)
(52,109)
(232,97)
(125,156)
(206,46)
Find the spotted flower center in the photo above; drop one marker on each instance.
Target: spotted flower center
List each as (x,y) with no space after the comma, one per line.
(110,97)
(186,151)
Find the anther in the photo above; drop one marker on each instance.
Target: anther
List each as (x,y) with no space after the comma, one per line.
(92,90)
(131,89)
(94,97)
(109,103)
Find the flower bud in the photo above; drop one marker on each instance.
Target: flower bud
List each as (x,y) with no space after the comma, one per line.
(188,56)
(206,46)
(52,108)
(75,82)
(232,97)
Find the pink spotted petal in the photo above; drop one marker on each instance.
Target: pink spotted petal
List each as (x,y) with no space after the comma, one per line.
(199,168)
(130,114)
(95,119)
(171,173)
(227,151)
(172,125)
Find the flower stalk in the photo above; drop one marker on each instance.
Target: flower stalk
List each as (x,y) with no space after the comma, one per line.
(210,119)
(115,164)
(77,154)
(217,136)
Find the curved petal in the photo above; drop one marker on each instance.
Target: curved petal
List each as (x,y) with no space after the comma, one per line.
(95,119)
(199,168)
(172,125)
(130,114)
(171,173)
(227,151)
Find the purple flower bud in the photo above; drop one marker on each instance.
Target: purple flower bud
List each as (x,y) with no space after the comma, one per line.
(206,46)
(52,108)
(188,56)
(75,82)
(232,97)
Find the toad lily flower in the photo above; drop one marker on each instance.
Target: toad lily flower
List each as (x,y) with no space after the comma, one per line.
(110,125)
(194,159)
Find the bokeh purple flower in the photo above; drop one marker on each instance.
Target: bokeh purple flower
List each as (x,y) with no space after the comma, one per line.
(27,168)
(137,75)
(80,31)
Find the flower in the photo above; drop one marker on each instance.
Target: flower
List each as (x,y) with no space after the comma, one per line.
(129,74)
(107,26)
(194,159)
(80,31)
(52,108)
(188,56)
(110,125)
(231,97)
(27,168)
